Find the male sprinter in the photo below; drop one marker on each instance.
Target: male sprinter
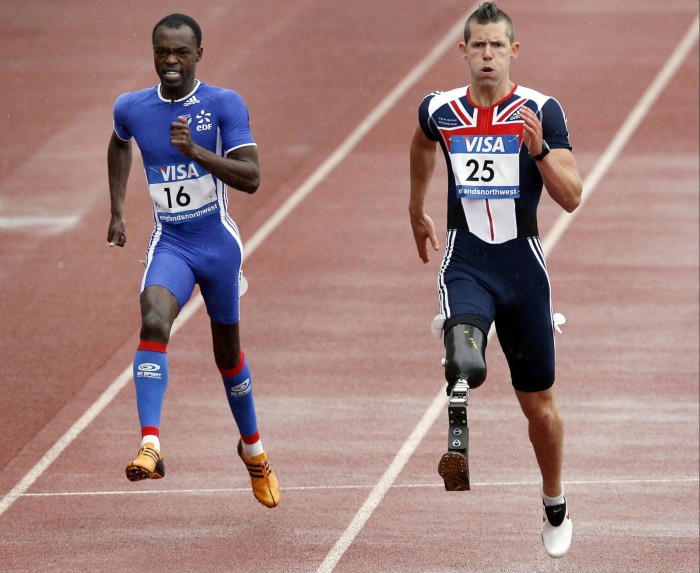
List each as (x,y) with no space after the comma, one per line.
(195,141)
(501,143)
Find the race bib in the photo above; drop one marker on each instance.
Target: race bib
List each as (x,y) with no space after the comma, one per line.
(181,193)
(486,166)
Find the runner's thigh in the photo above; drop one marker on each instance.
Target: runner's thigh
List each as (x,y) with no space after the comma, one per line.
(524,327)
(169,269)
(218,275)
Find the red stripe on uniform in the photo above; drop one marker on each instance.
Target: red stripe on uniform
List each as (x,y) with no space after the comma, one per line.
(459,113)
(232,372)
(150,431)
(488,212)
(154,346)
(251,439)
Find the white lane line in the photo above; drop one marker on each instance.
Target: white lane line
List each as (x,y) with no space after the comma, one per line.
(561,225)
(246,490)
(293,201)
(39,222)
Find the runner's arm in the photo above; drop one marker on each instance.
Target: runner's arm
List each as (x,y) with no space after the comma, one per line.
(119,159)
(558,169)
(561,178)
(422,161)
(239,169)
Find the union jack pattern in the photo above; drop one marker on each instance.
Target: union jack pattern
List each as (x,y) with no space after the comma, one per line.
(445,116)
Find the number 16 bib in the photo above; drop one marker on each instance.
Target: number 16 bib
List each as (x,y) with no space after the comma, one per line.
(181,193)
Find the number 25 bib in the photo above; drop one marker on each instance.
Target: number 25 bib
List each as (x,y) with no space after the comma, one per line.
(486,166)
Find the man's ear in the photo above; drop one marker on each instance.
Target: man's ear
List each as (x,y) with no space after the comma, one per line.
(463,50)
(515,50)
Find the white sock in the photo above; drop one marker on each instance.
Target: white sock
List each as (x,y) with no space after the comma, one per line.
(252,449)
(550,501)
(151,440)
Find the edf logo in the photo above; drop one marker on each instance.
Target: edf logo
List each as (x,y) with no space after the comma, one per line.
(203,121)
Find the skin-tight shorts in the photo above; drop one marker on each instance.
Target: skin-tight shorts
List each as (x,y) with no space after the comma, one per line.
(506,284)
(206,252)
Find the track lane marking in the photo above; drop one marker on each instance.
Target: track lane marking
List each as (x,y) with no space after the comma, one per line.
(53,223)
(246,490)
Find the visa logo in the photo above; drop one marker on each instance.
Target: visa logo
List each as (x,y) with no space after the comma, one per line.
(484,144)
(177,172)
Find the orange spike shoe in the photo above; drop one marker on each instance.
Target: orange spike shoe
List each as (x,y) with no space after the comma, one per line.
(263,480)
(147,465)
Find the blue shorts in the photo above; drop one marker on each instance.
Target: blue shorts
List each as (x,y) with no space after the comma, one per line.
(206,252)
(506,284)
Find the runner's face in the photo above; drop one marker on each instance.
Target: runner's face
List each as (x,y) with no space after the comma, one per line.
(488,54)
(175,55)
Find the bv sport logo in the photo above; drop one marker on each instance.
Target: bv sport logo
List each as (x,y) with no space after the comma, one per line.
(241,389)
(149,370)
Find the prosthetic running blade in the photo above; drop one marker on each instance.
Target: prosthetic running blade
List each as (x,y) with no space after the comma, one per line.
(454,465)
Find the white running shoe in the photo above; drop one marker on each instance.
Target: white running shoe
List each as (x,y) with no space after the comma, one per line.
(557,538)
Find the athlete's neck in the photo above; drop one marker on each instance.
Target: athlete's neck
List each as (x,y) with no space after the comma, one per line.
(178,94)
(484,96)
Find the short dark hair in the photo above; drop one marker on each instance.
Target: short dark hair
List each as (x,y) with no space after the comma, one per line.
(177,20)
(489,13)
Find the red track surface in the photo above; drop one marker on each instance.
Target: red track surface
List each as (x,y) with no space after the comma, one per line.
(335,324)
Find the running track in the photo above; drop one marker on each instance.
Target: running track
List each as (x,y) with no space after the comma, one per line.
(335,323)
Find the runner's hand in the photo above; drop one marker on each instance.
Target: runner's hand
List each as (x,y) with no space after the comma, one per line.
(116,234)
(532,130)
(424,232)
(181,136)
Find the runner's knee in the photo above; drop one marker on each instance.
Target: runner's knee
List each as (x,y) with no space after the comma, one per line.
(159,308)
(154,328)
(540,408)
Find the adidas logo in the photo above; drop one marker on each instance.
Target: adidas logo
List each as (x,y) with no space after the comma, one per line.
(191,101)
